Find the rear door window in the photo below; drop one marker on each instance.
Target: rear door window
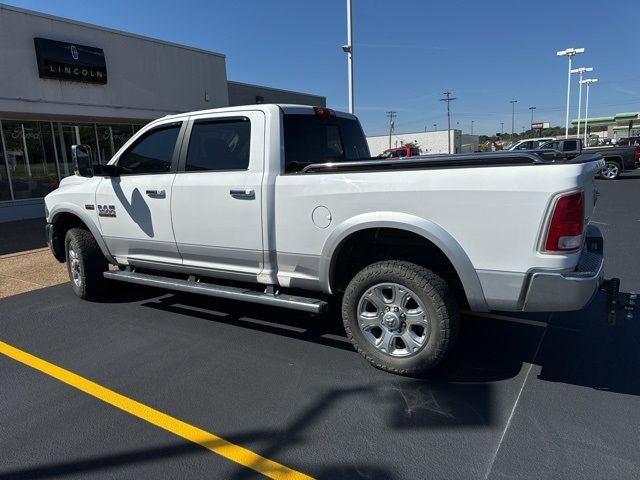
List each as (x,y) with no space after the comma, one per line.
(219,145)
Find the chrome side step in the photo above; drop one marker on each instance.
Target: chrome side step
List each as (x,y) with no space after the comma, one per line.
(311,305)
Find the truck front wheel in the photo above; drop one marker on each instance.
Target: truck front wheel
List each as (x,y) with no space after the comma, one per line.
(85,264)
(400,316)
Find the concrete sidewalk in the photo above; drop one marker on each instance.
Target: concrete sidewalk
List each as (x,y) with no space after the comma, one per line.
(25,261)
(25,271)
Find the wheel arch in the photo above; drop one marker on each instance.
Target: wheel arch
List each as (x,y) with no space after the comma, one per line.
(615,158)
(408,224)
(67,216)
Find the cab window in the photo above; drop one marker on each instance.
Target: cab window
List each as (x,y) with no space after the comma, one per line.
(151,153)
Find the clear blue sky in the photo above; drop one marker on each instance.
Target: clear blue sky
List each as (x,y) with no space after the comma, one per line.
(407,52)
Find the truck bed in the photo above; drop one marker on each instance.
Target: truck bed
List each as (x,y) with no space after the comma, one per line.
(424,162)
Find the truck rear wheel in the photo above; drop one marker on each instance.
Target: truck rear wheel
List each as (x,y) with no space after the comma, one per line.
(85,264)
(611,170)
(400,316)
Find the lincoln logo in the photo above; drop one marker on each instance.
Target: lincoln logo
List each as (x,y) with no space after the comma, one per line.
(74,52)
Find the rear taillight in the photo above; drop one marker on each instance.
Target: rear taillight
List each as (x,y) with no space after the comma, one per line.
(324,112)
(636,154)
(567,224)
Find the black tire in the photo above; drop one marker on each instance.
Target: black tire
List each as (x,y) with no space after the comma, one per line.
(80,246)
(611,170)
(439,305)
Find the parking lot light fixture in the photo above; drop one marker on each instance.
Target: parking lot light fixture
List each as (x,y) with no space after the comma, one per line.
(531,127)
(513,115)
(570,53)
(588,82)
(580,71)
(348,49)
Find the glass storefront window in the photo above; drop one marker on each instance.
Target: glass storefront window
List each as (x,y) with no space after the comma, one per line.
(35,156)
(111,138)
(30,158)
(5,189)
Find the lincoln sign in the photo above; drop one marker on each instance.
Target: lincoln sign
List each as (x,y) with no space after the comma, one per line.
(70,61)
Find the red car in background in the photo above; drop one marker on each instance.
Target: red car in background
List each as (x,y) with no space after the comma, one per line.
(400,152)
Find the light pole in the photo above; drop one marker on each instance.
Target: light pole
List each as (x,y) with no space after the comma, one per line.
(513,114)
(580,71)
(435,127)
(532,109)
(348,49)
(569,52)
(471,127)
(588,82)
(448,99)
(501,128)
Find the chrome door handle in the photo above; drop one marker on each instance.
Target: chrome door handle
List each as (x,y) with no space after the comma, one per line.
(245,193)
(156,193)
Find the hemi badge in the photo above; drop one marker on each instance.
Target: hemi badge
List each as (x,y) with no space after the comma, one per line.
(88,206)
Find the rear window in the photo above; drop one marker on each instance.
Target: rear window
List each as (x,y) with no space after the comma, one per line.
(320,139)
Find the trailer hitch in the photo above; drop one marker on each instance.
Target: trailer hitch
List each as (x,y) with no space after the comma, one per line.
(611,287)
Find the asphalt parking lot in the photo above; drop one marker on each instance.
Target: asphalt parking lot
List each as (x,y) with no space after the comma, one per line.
(522,396)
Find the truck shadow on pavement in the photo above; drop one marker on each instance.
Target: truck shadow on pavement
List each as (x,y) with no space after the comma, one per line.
(576,348)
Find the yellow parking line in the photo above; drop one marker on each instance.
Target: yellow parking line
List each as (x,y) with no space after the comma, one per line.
(212,442)
(525,321)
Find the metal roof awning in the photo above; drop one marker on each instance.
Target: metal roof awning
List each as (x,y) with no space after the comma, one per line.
(625,128)
(621,119)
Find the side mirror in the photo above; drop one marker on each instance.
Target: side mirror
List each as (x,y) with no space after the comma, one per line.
(82,160)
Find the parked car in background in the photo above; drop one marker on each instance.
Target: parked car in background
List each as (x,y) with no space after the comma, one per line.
(617,159)
(529,144)
(400,152)
(629,141)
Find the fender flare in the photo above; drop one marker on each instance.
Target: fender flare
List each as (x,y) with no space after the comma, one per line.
(65,207)
(410,223)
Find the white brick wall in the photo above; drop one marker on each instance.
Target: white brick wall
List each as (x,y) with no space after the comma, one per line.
(429,142)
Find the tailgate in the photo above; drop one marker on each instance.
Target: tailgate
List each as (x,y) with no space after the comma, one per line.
(587,181)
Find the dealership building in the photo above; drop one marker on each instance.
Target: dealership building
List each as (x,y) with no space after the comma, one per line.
(66,82)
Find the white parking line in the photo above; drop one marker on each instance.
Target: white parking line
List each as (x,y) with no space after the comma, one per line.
(524,321)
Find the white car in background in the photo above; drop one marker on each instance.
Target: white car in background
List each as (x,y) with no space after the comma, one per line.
(529,144)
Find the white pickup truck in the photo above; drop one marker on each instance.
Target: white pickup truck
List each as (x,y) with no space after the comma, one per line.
(282,205)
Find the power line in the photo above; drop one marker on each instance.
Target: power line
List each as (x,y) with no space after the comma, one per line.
(448,99)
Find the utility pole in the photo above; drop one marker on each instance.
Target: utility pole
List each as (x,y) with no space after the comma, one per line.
(513,115)
(531,126)
(448,99)
(392,116)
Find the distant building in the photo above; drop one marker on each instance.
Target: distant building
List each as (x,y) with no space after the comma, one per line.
(65,82)
(620,125)
(433,142)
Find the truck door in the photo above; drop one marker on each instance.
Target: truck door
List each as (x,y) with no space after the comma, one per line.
(134,207)
(216,201)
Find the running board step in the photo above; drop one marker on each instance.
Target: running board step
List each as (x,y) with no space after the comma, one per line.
(311,305)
